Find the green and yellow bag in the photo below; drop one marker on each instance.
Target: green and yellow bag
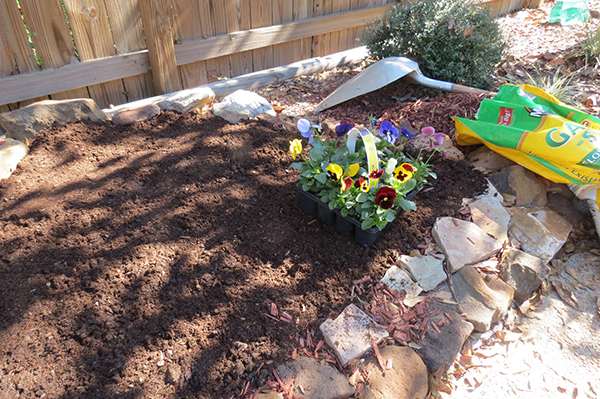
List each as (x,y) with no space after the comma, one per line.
(542,134)
(536,130)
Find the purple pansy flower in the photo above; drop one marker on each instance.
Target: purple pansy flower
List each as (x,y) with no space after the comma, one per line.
(343,128)
(435,139)
(389,132)
(406,133)
(306,128)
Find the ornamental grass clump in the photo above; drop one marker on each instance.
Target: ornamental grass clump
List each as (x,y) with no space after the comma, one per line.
(359,173)
(452,40)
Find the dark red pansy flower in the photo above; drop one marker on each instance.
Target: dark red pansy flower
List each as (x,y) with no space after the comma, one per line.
(385,197)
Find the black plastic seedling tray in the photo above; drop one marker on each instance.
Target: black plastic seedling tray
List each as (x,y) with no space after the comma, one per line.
(346,225)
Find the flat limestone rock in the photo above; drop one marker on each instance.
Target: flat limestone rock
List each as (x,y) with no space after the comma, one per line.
(399,280)
(129,116)
(350,334)
(11,153)
(29,121)
(483,302)
(186,100)
(489,215)
(324,380)
(407,379)
(522,183)
(439,349)
(463,242)
(242,104)
(541,231)
(523,272)
(427,270)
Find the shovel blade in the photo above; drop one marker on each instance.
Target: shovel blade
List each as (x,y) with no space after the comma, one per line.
(376,76)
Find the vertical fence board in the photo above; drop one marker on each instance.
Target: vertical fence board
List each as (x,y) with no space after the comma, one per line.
(17,56)
(156,18)
(216,24)
(321,44)
(93,39)
(187,24)
(128,35)
(284,53)
(50,35)
(238,18)
(262,15)
(302,9)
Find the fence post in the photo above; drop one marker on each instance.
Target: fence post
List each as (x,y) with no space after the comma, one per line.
(160,42)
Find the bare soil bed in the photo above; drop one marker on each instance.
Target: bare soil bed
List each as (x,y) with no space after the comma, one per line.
(143,261)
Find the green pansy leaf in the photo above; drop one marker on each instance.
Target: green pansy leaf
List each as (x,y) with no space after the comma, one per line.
(298,165)
(367,224)
(390,215)
(321,178)
(362,197)
(409,185)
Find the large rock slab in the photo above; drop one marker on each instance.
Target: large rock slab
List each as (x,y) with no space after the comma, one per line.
(541,231)
(523,272)
(407,379)
(522,183)
(428,271)
(186,100)
(483,302)
(439,349)
(463,242)
(490,216)
(29,121)
(11,153)
(317,379)
(350,334)
(242,104)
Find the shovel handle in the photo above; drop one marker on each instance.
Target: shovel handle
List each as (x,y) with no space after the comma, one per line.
(466,89)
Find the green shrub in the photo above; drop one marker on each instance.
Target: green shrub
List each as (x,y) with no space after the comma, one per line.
(451,40)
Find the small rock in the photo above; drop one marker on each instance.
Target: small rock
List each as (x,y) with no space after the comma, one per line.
(491,217)
(242,104)
(484,302)
(565,207)
(128,116)
(523,272)
(406,380)
(11,153)
(29,121)
(522,183)
(462,242)
(399,280)
(428,270)
(541,231)
(349,335)
(186,100)
(440,349)
(318,379)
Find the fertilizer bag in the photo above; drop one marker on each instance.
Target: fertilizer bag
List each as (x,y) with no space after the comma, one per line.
(534,129)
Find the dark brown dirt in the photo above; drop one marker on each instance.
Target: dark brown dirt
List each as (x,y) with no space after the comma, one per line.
(140,262)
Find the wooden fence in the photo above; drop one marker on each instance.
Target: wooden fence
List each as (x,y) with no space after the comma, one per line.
(117,51)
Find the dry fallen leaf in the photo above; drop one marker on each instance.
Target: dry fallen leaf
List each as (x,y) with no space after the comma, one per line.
(565,294)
